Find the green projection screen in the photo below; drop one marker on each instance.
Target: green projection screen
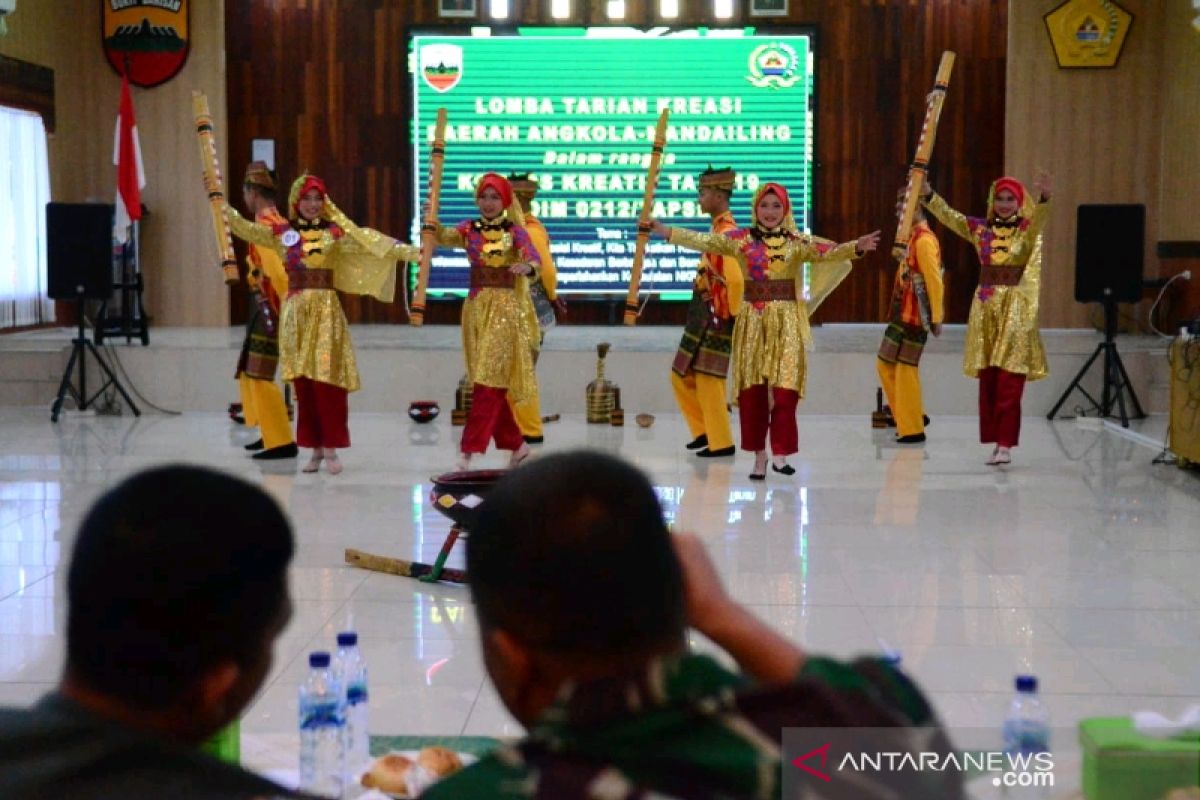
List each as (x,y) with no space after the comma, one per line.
(577,108)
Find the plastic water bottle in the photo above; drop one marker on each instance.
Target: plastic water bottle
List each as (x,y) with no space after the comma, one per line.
(322,749)
(889,655)
(350,670)
(1027,727)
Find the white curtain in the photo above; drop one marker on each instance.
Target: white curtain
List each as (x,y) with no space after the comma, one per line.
(24,193)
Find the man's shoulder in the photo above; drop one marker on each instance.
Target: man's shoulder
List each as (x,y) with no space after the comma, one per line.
(53,750)
(15,723)
(270,216)
(724,223)
(46,720)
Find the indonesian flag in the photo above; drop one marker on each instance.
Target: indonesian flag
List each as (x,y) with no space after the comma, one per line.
(131,176)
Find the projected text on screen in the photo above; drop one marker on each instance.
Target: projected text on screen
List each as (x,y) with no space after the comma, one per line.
(577,108)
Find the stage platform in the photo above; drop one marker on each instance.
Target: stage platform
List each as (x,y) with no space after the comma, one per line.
(191,369)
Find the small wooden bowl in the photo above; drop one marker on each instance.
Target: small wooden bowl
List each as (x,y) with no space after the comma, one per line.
(644,420)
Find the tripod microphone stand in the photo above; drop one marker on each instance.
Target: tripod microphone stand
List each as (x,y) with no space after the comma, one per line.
(1116,379)
(80,347)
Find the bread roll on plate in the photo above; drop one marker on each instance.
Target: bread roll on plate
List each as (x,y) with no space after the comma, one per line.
(439,761)
(407,774)
(389,774)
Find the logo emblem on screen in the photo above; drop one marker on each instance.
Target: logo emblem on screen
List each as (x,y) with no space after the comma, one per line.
(442,66)
(774,66)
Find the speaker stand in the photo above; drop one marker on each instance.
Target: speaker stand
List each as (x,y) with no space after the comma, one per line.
(80,347)
(1116,379)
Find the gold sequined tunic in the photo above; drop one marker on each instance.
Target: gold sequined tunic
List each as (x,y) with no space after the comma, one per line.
(314,339)
(771,337)
(1002,329)
(500,332)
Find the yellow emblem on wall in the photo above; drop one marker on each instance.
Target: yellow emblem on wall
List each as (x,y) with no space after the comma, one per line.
(1088,33)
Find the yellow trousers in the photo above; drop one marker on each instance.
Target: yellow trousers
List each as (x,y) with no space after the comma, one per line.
(902,385)
(528,413)
(899,500)
(701,398)
(263,408)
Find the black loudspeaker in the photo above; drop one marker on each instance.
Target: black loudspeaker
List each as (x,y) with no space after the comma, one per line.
(79,253)
(1110,244)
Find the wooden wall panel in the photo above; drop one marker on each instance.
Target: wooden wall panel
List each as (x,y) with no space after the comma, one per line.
(326,81)
(28,86)
(183,283)
(1101,132)
(1180,195)
(876,62)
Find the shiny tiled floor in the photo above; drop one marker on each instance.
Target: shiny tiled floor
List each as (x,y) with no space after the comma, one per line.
(1078,563)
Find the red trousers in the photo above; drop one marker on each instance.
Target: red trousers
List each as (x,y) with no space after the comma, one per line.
(491,418)
(757,416)
(1000,406)
(322,414)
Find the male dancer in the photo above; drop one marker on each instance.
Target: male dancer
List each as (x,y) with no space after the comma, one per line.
(529,413)
(262,402)
(702,361)
(916,311)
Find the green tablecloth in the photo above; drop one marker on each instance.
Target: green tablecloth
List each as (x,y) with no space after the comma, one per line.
(475,745)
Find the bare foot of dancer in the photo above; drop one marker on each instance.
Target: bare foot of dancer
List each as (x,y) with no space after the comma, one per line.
(314,463)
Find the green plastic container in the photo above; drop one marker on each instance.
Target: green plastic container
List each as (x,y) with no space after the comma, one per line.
(1121,764)
(226,745)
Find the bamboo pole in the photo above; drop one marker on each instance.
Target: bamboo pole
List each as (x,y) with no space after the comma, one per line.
(396,566)
(214,186)
(643,231)
(429,226)
(920,163)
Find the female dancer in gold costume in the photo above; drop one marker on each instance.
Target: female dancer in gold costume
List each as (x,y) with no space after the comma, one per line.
(499,328)
(323,250)
(1003,348)
(771,334)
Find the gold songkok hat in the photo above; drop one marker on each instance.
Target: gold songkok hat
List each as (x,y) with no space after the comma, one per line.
(718,178)
(257,174)
(523,185)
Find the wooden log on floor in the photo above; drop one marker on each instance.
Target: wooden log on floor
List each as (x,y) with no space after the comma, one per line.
(396,566)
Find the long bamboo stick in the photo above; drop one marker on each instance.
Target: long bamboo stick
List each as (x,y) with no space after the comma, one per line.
(214,186)
(429,225)
(643,232)
(920,163)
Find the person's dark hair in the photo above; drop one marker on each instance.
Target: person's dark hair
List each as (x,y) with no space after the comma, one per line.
(570,554)
(265,192)
(174,570)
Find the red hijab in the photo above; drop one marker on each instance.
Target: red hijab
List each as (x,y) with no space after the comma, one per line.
(497,182)
(763,191)
(310,182)
(777,190)
(1013,185)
